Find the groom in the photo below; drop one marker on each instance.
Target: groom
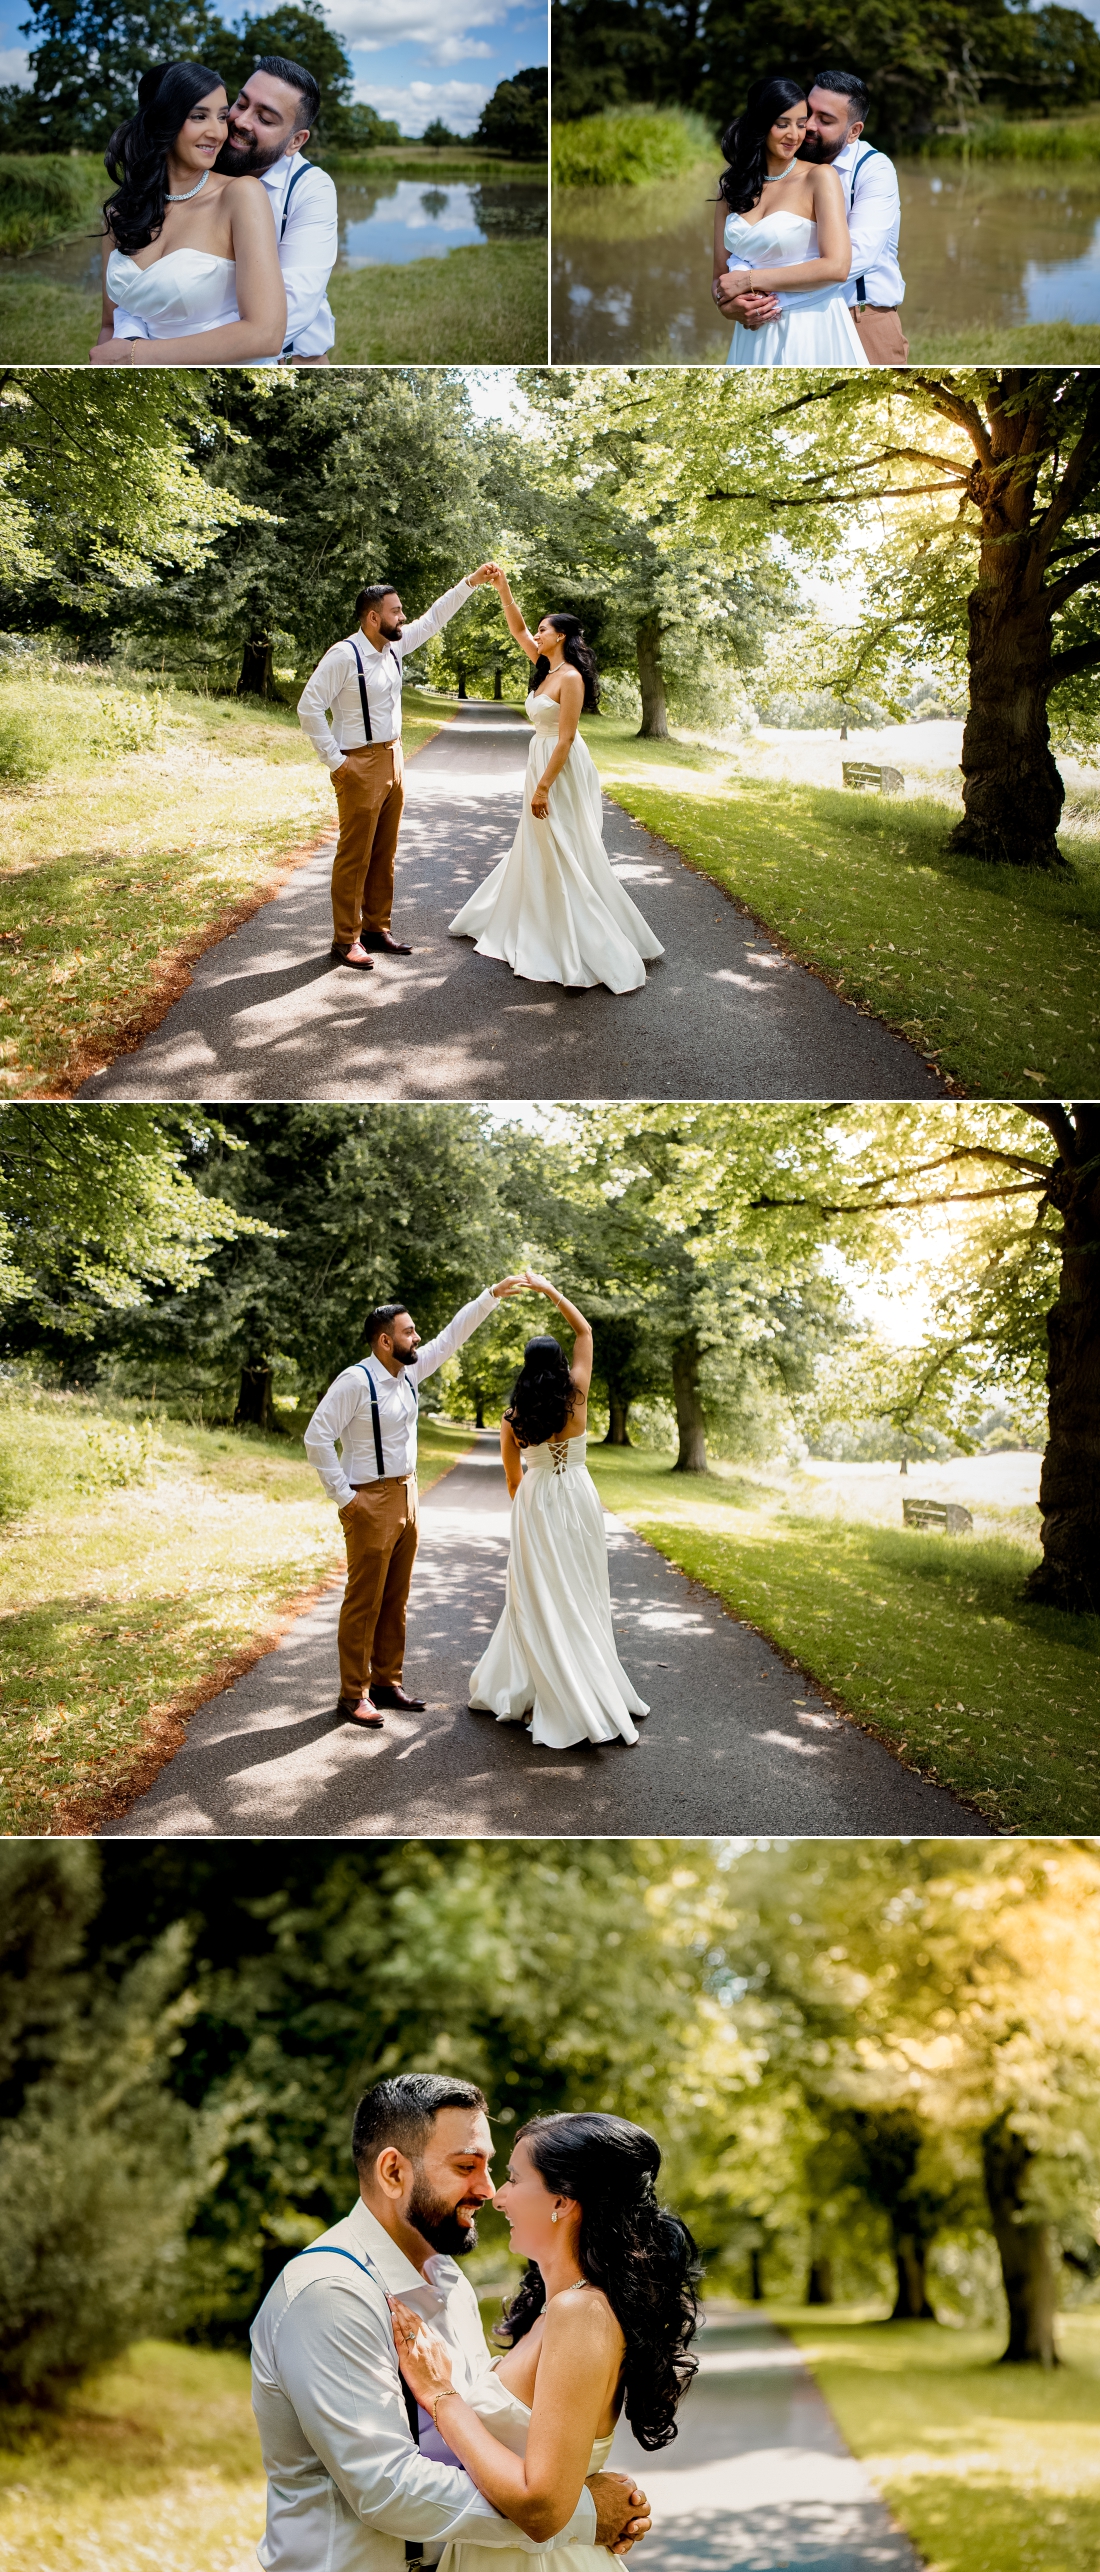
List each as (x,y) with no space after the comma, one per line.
(372,1408)
(360,681)
(358,2478)
(838,103)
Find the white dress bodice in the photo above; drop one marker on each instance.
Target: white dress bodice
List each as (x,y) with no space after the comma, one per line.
(815,326)
(557,1455)
(778,241)
(183,292)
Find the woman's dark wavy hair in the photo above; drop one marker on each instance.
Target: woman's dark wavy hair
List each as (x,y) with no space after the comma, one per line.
(580,656)
(642,2256)
(744,143)
(543,1394)
(137,154)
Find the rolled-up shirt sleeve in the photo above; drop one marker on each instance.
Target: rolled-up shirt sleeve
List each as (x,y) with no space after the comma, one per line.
(318,694)
(435,1352)
(335,2361)
(332,1416)
(435,618)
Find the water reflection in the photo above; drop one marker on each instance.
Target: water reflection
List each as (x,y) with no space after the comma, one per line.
(994,245)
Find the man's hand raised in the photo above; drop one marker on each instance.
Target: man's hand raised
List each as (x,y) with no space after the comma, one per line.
(485,571)
(623,2514)
(508,1286)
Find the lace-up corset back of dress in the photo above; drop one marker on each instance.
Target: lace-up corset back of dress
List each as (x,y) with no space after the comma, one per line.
(556,1455)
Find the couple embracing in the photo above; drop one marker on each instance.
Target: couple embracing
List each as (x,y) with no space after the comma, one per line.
(806,230)
(389,2435)
(553,908)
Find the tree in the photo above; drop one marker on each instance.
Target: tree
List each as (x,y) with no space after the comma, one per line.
(299,30)
(513,120)
(438,134)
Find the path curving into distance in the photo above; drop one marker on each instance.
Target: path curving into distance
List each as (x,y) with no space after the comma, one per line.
(734,1742)
(725,1014)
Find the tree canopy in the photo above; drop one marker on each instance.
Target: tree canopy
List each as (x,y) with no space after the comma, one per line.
(86,58)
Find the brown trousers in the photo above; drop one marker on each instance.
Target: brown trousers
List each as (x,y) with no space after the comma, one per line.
(880,330)
(381,1537)
(370,797)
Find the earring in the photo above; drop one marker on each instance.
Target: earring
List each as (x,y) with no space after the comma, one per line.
(554,2216)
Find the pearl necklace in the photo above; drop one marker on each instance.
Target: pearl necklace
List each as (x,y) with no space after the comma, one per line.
(188,193)
(772,177)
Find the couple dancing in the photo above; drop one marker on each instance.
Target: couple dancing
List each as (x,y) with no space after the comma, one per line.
(552,1660)
(389,2434)
(806,231)
(553,909)
(219,238)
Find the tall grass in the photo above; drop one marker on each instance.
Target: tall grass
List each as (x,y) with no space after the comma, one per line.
(1002,140)
(46,194)
(627,145)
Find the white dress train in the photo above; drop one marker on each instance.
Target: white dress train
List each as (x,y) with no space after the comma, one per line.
(554,909)
(816,327)
(509,2419)
(553,1653)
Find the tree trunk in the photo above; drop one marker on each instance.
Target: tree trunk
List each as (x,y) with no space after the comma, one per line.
(618,1407)
(819,2285)
(498,691)
(692,1458)
(254,1399)
(756,2276)
(255,678)
(911,2301)
(654,723)
(1012,791)
(1024,2247)
(462,679)
(479,1408)
(1069,1488)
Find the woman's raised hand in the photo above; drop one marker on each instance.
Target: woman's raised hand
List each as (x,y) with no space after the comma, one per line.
(539,1285)
(423,2360)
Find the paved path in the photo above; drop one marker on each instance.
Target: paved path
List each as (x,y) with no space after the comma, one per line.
(759,2477)
(724,1015)
(733,1742)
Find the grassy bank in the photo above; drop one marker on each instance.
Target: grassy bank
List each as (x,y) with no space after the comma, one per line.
(628,145)
(1028,344)
(1002,138)
(484,306)
(147,820)
(48,196)
(140,1556)
(419,161)
(992,971)
(988,2468)
(925,1639)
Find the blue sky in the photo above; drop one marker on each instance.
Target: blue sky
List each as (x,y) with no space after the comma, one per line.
(414,59)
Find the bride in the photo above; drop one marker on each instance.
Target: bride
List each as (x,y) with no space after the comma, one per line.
(601,2324)
(553,1653)
(553,908)
(780,227)
(188,251)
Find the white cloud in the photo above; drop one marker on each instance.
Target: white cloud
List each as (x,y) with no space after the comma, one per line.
(458,102)
(15,69)
(369,25)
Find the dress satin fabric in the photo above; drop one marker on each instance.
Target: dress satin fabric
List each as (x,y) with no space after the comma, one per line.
(816,329)
(184,292)
(509,2419)
(554,909)
(553,1653)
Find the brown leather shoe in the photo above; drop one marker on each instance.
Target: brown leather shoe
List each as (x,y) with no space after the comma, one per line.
(381,944)
(395,1696)
(359,964)
(358,1710)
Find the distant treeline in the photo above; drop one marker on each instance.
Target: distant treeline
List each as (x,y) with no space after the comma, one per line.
(930,65)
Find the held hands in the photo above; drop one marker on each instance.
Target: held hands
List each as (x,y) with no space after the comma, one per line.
(622,2511)
(485,571)
(509,1286)
(424,2362)
(739,301)
(539,1285)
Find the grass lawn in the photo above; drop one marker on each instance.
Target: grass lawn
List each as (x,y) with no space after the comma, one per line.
(134,1566)
(118,866)
(1029,344)
(993,972)
(484,306)
(156,2461)
(988,2468)
(924,1639)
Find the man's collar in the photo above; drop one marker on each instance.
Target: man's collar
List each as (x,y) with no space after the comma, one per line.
(396,2272)
(278,174)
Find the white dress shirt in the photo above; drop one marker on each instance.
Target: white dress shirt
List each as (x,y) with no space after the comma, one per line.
(345,1411)
(874,222)
(345,2483)
(335,683)
(307,255)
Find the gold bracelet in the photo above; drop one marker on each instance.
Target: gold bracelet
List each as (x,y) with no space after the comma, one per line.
(441,2396)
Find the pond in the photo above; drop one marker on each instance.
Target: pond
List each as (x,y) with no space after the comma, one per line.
(384,221)
(996,243)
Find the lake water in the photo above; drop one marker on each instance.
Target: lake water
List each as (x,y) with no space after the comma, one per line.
(383,222)
(999,243)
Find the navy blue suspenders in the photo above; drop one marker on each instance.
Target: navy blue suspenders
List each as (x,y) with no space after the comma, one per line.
(332,2250)
(367,733)
(857,165)
(376,1426)
(299,174)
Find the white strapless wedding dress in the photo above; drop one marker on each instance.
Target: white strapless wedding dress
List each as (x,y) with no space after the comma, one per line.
(816,327)
(184,292)
(509,2419)
(553,908)
(553,1653)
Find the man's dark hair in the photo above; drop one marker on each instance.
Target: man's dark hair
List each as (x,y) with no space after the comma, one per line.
(373,597)
(846,84)
(379,1320)
(400,2114)
(296,77)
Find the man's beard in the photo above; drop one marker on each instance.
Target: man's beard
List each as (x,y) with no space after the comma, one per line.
(815,149)
(246,160)
(439,2223)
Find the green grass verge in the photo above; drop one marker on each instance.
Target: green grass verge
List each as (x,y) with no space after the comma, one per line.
(627,145)
(113,866)
(419,161)
(45,325)
(1073,138)
(136,1563)
(156,2460)
(925,1639)
(484,306)
(1031,344)
(48,196)
(993,971)
(987,2468)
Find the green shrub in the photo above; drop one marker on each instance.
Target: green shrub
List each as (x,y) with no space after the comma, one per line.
(627,145)
(43,194)
(116,1454)
(27,747)
(45,719)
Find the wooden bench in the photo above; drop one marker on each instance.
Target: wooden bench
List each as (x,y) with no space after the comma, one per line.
(884,781)
(942,1517)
